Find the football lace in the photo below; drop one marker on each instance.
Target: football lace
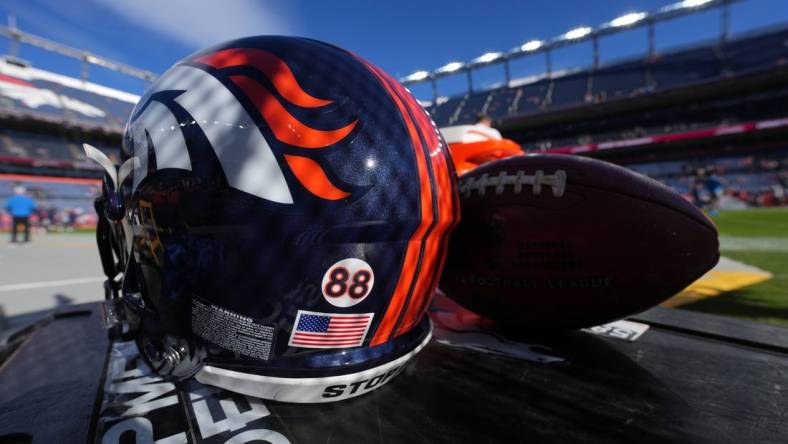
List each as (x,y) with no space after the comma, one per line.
(556,181)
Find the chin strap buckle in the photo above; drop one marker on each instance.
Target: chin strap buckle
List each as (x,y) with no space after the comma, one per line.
(112,287)
(113,314)
(172,356)
(112,318)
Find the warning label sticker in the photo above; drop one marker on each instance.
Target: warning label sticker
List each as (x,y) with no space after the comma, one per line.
(231,330)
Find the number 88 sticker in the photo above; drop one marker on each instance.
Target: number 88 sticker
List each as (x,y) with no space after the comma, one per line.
(348,282)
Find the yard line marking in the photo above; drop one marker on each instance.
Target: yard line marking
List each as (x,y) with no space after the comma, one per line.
(741,243)
(45,284)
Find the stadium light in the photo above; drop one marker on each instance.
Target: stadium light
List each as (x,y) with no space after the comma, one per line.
(692,3)
(450,67)
(619,24)
(416,76)
(628,19)
(488,57)
(577,33)
(532,45)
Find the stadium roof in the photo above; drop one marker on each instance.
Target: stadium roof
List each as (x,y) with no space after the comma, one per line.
(18,36)
(573,36)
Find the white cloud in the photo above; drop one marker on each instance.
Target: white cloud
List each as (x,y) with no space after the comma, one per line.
(202,23)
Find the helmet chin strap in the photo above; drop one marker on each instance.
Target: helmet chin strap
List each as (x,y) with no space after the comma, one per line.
(110,209)
(167,355)
(108,264)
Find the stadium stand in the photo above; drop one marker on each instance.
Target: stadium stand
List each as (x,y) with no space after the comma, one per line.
(670,120)
(447,109)
(500,101)
(530,98)
(763,51)
(23,146)
(757,178)
(618,80)
(667,130)
(63,203)
(471,107)
(717,107)
(669,70)
(27,92)
(569,90)
(44,118)
(685,67)
(35,146)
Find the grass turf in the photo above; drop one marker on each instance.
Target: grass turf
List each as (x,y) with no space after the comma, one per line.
(765,302)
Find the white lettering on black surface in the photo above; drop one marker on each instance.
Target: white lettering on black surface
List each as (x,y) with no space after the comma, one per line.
(232,331)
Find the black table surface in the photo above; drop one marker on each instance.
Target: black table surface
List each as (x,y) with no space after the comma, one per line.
(690,378)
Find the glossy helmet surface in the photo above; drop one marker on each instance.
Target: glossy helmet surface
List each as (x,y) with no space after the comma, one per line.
(284,208)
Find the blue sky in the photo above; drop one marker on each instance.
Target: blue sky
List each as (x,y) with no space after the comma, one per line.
(400,36)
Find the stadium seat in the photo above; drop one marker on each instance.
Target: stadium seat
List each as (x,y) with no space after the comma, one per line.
(685,67)
(755,173)
(619,80)
(569,90)
(60,99)
(446,110)
(36,146)
(36,99)
(471,108)
(500,102)
(755,53)
(529,98)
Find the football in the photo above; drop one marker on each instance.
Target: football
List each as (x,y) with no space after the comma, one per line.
(561,241)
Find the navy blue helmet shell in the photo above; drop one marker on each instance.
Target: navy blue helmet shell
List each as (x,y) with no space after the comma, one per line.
(287,209)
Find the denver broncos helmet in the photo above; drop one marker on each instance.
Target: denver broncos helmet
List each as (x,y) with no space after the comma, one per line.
(278,222)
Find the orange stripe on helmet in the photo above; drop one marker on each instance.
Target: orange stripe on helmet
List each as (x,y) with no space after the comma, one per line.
(314,179)
(410,267)
(272,66)
(286,128)
(447,208)
(422,285)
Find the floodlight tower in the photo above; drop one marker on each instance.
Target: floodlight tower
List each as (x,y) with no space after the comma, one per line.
(18,37)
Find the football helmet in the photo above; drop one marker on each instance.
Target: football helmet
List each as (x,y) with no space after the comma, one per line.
(278,222)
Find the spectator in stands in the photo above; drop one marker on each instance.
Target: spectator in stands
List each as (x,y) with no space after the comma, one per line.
(483,120)
(20,207)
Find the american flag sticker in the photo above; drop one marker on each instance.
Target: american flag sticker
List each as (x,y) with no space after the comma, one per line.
(329,330)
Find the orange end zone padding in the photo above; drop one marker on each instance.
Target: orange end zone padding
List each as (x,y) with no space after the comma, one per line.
(468,156)
(70,180)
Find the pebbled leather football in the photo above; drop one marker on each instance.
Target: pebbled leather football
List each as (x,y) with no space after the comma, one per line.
(560,241)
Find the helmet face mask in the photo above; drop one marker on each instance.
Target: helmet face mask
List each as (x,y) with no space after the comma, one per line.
(286,210)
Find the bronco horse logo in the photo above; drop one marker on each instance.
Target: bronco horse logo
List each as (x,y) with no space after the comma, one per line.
(189,94)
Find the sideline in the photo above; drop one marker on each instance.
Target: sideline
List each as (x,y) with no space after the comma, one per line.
(46,284)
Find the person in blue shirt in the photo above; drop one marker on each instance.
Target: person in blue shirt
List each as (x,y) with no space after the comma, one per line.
(20,207)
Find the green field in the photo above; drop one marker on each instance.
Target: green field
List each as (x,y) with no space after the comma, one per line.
(757,237)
